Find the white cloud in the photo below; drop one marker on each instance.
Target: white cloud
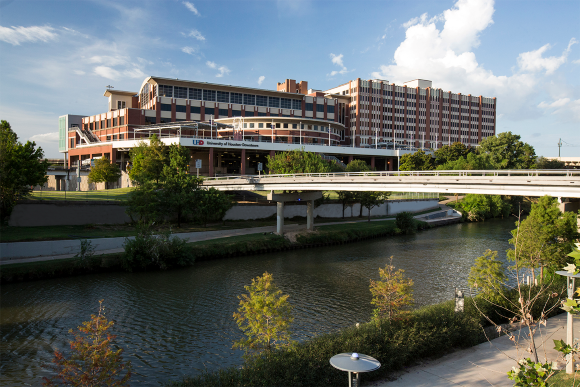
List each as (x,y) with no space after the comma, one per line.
(191,7)
(223,70)
(211,64)
(337,60)
(188,50)
(533,60)
(46,137)
(261,79)
(195,34)
(17,35)
(556,104)
(107,72)
(79,72)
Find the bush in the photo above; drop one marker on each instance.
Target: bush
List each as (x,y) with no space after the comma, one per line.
(476,207)
(148,251)
(406,223)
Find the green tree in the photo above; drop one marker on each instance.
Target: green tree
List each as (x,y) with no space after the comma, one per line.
(371,199)
(506,151)
(451,153)
(392,293)
(406,222)
(544,163)
(357,166)
(488,275)
(478,207)
(299,161)
(264,315)
(472,161)
(21,168)
(212,204)
(145,204)
(418,161)
(148,161)
(347,199)
(94,361)
(104,171)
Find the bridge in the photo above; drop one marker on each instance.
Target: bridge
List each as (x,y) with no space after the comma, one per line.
(557,183)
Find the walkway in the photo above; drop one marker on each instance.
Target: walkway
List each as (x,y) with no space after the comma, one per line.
(24,252)
(485,364)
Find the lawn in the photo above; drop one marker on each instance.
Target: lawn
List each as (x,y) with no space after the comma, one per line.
(118,194)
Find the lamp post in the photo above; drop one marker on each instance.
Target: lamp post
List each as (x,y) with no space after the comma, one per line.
(570,282)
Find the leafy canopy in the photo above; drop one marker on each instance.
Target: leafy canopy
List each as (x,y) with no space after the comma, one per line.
(300,161)
(506,151)
(357,166)
(418,161)
(148,161)
(264,315)
(392,293)
(488,274)
(104,171)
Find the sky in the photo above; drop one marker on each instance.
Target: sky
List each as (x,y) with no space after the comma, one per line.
(58,57)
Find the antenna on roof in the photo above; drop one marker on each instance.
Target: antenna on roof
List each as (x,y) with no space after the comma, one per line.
(109,87)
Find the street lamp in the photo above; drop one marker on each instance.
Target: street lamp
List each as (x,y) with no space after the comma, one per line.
(570,282)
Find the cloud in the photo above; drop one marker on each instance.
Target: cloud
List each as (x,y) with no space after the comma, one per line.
(79,72)
(195,34)
(17,35)
(533,60)
(223,70)
(107,72)
(556,104)
(337,60)
(191,7)
(188,50)
(46,137)
(261,79)
(564,107)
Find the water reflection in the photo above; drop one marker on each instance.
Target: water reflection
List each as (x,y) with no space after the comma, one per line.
(180,322)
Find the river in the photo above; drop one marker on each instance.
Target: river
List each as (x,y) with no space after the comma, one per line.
(176,323)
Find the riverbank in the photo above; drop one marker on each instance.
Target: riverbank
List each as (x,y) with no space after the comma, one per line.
(240,245)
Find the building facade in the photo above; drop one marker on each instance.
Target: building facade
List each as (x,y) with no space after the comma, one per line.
(224,124)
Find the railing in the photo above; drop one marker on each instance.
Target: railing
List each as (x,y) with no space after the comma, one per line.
(454,173)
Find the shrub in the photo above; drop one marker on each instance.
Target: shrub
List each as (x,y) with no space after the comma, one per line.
(406,223)
(149,251)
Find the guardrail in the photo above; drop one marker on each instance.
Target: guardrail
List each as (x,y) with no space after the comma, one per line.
(497,173)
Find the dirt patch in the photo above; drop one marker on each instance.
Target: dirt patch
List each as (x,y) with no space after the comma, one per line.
(292,235)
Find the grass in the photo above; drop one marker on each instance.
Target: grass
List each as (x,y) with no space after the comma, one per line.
(118,194)
(562,379)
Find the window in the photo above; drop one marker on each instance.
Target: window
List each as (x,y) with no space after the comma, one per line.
(274,102)
(315,127)
(120,104)
(249,113)
(261,114)
(180,92)
(309,107)
(236,98)
(249,99)
(223,96)
(121,120)
(195,94)
(261,100)
(330,108)
(114,137)
(294,126)
(297,104)
(181,108)
(115,121)
(285,103)
(320,108)
(223,112)
(165,91)
(109,123)
(236,113)
(108,138)
(209,95)
(122,136)
(285,126)
(278,125)
(260,125)
(251,125)
(72,143)
(150,120)
(165,107)
(195,109)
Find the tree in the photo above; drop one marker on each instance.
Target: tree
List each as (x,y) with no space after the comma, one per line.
(506,151)
(391,293)
(418,161)
(148,161)
(347,199)
(21,167)
(264,315)
(93,361)
(472,161)
(488,274)
(212,204)
(104,171)
(544,163)
(371,199)
(453,152)
(299,161)
(357,166)
(406,223)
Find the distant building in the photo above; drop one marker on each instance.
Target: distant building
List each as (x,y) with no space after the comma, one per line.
(232,128)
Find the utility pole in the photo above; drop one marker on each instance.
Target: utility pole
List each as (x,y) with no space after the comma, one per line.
(559,146)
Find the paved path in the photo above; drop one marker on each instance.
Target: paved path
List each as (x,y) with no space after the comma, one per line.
(485,364)
(23,252)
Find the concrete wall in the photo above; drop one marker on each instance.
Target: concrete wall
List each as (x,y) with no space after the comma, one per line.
(329,210)
(59,213)
(57,182)
(67,214)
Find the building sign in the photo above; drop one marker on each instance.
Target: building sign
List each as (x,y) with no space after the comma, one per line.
(198,142)
(198,163)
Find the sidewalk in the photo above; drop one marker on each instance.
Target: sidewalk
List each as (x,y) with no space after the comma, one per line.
(24,252)
(485,364)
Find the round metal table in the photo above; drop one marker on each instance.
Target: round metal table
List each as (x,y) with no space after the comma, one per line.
(354,363)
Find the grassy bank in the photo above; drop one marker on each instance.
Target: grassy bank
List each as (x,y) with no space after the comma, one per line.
(205,250)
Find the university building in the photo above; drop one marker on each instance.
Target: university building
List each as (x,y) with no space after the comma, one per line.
(232,128)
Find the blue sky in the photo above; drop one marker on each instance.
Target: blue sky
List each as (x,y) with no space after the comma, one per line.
(57,57)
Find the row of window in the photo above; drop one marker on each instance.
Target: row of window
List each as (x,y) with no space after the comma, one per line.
(261,125)
(165,107)
(104,124)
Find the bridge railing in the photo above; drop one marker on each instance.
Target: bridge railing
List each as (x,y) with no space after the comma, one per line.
(503,172)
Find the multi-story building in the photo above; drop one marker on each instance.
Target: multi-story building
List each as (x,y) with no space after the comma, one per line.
(234,128)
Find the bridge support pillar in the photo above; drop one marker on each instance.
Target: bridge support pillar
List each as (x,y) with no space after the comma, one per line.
(279,218)
(350,158)
(372,162)
(310,215)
